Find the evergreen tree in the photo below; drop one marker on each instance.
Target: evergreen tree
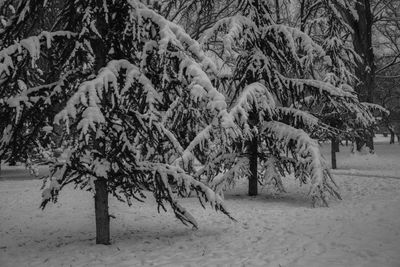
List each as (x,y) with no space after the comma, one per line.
(359,18)
(273,76)
(329,30)
(357,122)
(131,90)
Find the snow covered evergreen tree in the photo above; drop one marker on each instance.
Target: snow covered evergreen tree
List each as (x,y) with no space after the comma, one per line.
(196,16)
(131,89)
(272,77)
(327,29)
(331,31)
(359,18)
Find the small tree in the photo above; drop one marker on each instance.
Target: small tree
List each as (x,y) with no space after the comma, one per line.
(131,90)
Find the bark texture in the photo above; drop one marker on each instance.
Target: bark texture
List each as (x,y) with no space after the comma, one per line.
(253,158)
(101,211)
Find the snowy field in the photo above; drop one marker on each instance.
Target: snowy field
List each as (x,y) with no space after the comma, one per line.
(272,230)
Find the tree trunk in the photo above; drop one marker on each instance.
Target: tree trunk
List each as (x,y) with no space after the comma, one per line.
(370,143)
(101,211)
(253,157)
(101,194)
(359,143)
(337,145)
(362,42)
(333,152)
(277,12)
(391,135)
(391,138)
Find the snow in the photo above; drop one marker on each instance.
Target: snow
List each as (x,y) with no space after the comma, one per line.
(32,44)
(271,229)
(308,152)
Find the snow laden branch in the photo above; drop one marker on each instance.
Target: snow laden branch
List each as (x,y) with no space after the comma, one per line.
(224,164)
(303,119)
(136,144)
(202,88)
(271,174)
(32,45)
(235,124)
(230,32)
(91,92)
(315,87)
(375,107)
(171,33)
(299,116)
(295,41)
(366,114)
(166,175)
(232,29)
(255,96)
(312,161)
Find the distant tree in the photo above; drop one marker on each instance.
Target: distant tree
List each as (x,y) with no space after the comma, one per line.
(328,28)
(363,18)
(129,87)
(387,51)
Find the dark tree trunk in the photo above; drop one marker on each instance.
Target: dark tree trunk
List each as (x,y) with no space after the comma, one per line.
(359,143)
(391,138)
(101,193)
(277,12)
(302,19)
(391,135)
(362,42)
(370,143)
(333,152)
(101,211)
(337,145)
(253,158)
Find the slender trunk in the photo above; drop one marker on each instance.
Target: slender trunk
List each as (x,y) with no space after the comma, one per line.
(391,135)
(337,145)
(302,19)
(333,152)
(370,142)
(253,157)
(101,194)
(277,12)
(365,70)
(359,143)
(101,211)
(391,138)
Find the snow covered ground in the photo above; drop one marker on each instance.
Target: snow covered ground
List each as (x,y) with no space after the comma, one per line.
(272,230)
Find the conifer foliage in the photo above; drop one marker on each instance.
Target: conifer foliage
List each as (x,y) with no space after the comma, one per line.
(136,102)
(273,76)
(131,91)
